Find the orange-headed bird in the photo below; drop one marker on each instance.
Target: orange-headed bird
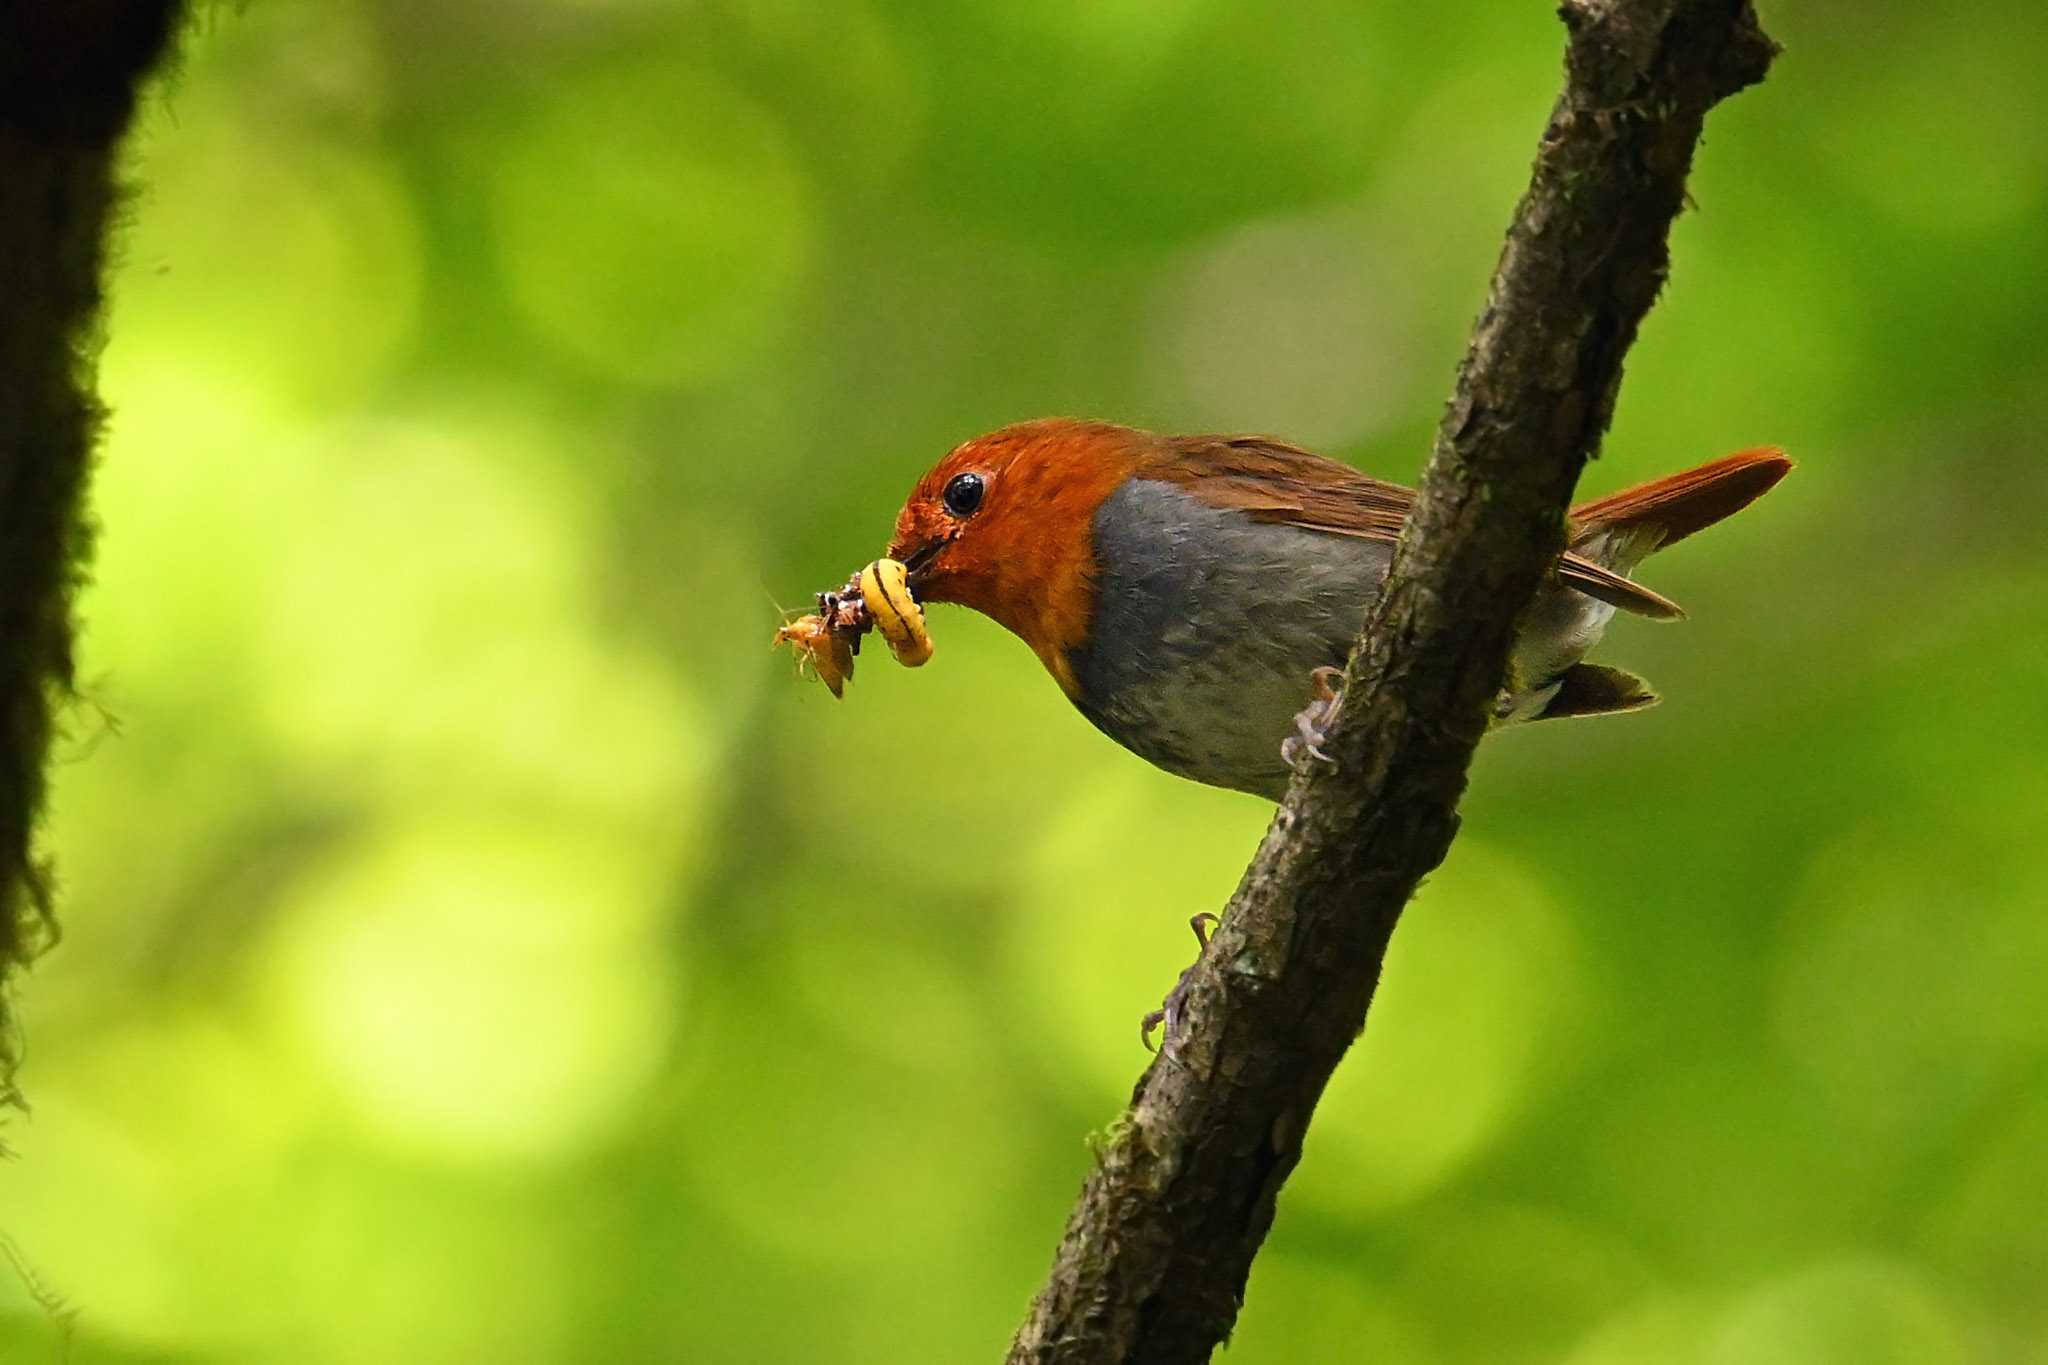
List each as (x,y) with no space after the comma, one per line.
(1184,590)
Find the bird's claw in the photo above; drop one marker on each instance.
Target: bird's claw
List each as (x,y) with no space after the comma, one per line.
(1311,725)
(1172,1009)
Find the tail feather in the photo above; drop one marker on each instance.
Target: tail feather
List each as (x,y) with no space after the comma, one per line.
(1665,511)
(1591,576)
(1596,690)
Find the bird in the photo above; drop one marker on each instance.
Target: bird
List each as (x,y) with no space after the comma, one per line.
(1193,595)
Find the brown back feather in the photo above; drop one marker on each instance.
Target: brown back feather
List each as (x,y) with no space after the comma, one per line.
(1284,484)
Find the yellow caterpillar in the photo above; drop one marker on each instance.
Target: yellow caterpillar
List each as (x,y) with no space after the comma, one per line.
(885,590)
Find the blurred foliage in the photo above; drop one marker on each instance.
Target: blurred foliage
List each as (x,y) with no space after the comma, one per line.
(470,957)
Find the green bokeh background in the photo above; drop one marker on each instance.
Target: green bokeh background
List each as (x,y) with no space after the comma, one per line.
(473,953)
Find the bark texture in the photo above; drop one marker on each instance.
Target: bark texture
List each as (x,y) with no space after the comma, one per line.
(69,73)
(1153,1264)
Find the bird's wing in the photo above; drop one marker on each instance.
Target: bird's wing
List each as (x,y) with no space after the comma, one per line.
(1280,483)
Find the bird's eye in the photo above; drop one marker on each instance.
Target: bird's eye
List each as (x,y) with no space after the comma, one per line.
(963,494)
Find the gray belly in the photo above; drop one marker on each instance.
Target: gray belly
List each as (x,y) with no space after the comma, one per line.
(1207,626)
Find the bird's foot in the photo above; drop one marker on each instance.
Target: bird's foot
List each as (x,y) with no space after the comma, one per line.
(1172,1009)
(1312,725)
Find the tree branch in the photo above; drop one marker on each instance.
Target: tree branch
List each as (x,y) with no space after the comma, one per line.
(1156,1254)
(69,73)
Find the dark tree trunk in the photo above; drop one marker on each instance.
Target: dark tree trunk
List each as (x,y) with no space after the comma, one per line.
(69,75)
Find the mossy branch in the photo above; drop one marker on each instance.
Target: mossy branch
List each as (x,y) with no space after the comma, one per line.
(69,76)
(1154,1261)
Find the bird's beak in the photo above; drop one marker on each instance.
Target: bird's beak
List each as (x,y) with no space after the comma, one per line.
(919,561)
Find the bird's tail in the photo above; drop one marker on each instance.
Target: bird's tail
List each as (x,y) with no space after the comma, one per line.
(1622,529)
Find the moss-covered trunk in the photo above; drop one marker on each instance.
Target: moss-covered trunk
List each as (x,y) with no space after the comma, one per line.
(69,74)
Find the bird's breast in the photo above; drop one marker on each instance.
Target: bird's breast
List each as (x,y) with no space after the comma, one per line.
(1205,627)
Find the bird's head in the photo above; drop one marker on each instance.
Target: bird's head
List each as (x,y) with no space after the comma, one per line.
(1003,524)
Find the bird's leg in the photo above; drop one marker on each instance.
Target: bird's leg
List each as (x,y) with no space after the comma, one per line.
(1170,1009)
(1312,725)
